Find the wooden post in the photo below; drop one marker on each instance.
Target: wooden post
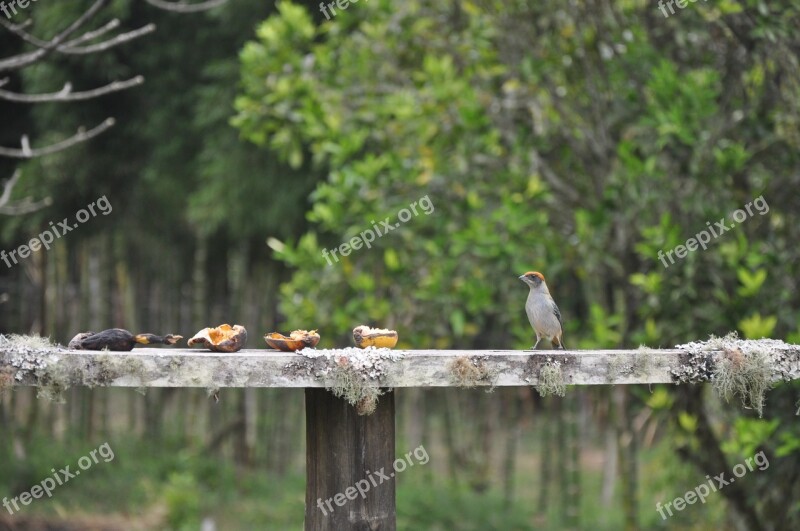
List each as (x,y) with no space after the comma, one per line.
(343,449)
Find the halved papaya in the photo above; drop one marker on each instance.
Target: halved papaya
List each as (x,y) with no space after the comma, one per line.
(365,336)
(297,340)
(224,338)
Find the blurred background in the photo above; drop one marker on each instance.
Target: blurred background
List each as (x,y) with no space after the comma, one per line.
(575,138)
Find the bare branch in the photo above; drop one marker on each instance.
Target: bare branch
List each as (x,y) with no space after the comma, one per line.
(22,60)
(110,43)
(66,94)
(89,35)
(8,186)
(39,43)
(19,31)
(71,47)
(81,136)
(23,206)
(183,7)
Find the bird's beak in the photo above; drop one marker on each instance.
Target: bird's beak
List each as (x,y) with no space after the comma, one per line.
(522,278)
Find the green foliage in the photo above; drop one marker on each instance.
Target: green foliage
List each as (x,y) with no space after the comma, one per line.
(755,326)
(183,501)
(660,399)
(578,142)
(750,435)
(583,151)
(439,508)
(381,122)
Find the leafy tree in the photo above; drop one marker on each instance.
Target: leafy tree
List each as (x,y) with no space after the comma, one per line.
(583,150)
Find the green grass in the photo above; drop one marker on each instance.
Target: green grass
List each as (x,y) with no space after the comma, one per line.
(178,488)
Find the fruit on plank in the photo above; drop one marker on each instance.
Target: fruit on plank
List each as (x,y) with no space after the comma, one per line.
(297,340)
(118,339)
(224,338)
(365,336)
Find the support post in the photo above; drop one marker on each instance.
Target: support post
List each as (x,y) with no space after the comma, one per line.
(345,451)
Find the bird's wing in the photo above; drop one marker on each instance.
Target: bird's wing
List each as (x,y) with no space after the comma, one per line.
(558,315)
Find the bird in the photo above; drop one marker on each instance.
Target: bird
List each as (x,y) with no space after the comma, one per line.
(118,339)
(543,313)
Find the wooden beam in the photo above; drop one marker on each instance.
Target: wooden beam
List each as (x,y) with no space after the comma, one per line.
(348,454)
(343,447)
(150,367)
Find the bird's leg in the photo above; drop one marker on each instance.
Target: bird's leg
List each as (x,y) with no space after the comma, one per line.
(557,343)
(537,343)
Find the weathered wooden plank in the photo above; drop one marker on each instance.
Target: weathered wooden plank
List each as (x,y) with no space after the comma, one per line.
(148,367)
(350,481)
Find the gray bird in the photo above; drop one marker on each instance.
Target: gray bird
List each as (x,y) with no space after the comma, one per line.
(542,311)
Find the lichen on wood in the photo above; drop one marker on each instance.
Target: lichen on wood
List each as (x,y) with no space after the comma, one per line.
(743,368)
(551,379)
(470,371)
(35,360)
(36,357)
(745,376)
(353,374)
(640,365)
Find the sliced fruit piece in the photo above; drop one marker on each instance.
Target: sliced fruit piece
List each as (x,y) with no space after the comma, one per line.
(118,339)
(365,336)
(224,338)
(297,340)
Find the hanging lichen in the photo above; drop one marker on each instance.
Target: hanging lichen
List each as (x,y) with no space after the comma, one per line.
(551,379)
(53,382)
(746,376)
(356,375)
(744,368)
(347,383)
